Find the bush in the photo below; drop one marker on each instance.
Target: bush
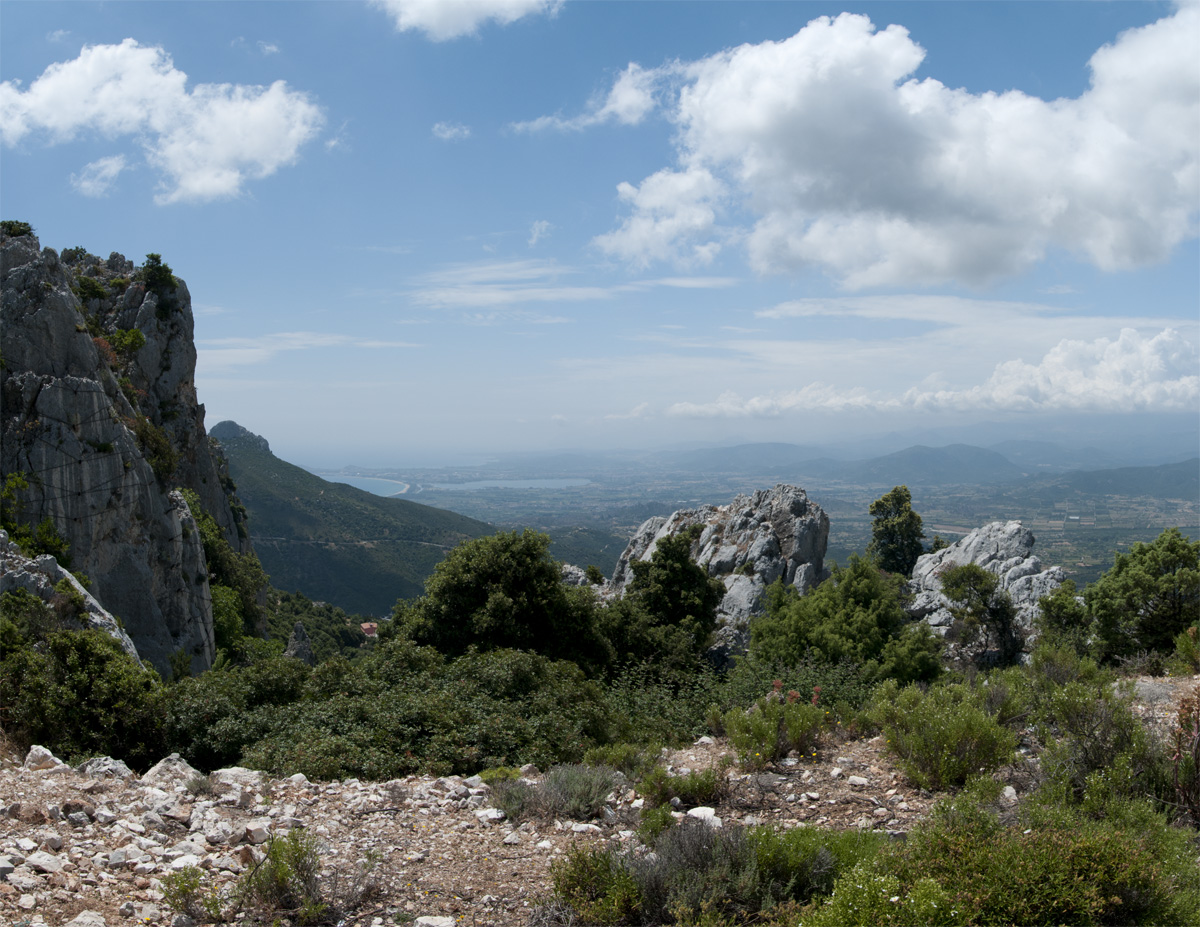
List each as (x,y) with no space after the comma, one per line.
(1058,866)
(633,760)
(704,875)
(575,791)
(941,737)
(1092,739)
(155,447)
(1149,596)
(89,288)
(855,616)
(505,591)
(775,726)
(127,341)
(15,228)
(81,695)
(694,789)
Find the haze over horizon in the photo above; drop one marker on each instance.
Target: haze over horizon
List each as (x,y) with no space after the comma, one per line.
(524,225)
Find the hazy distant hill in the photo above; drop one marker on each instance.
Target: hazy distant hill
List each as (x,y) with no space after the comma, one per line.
(1169,481)
(331,541)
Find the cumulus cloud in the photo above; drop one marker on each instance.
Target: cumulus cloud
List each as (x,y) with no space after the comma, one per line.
(845,162)
(206,142)
(449,19)
(451,131)
(674,219)
(630,100)
(267,48)
(97,178)
(1133,373)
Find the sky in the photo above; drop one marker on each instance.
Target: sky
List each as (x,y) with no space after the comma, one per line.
(417,230)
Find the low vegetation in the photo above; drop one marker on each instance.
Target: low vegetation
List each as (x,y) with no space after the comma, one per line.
(500,663)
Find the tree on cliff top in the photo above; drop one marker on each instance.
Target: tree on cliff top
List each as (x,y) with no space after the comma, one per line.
(897,532)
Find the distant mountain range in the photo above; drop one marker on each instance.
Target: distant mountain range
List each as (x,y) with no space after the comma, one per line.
(331,541)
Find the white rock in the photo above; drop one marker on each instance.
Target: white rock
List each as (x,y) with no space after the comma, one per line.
(857,781)
(489,815)
(707,815)
(88,919)
(43,862)
(835,773)
(41,758)
(432,921)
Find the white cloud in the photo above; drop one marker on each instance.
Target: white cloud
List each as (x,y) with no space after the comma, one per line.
(642,410)
(216,354)
(206,142)
(538,231)
(58,35)
(97,178)
(451,131)
(450,19)
(267,48)
(1134,373)
(630,100)
(845,162)
(674,219)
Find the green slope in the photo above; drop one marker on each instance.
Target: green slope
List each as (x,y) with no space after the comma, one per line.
(330,541)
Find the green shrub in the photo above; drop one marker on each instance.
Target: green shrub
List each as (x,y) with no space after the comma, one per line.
(773,727)
(127,341)
(855,616)
(655,820)
(155,447)
(634,760)
(89,288)
(191,893)
(80,695)
(73,255)
(704,875)
(15,228)
(1058,866)
(693,789)
(866,897)
(575,791)
(943,736)
(1185,760)
(1091,732)
(499,774)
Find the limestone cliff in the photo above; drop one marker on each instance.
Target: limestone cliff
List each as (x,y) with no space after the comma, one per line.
(749,543)
(1002,548)
(98,409)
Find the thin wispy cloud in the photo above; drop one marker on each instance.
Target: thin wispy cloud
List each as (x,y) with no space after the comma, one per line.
(451,131)
(98,178)
(220,354)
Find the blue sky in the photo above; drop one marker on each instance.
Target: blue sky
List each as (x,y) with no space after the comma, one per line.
(417,229)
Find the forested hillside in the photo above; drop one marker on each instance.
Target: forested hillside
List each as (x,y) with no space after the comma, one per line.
(334,542)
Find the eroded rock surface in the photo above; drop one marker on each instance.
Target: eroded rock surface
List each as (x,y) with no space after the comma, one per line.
(751,542)
(1002,548)
(105,425)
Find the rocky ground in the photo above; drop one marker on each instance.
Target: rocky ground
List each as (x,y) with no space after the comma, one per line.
(89,845)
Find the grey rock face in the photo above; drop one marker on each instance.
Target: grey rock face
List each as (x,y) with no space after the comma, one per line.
(299,646)
(85,421)
(39,577)
(749,543)
(1005,549)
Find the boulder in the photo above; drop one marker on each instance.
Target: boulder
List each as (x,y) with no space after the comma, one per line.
(751,542)
(1002,548)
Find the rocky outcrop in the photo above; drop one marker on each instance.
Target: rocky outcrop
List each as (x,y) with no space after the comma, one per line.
(749,543)
(1002,548)
(299,646)
(45,578)
(99,413)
